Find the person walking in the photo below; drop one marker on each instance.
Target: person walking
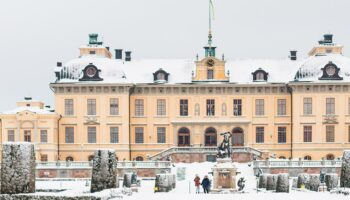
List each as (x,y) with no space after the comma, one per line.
(206,184)
(197,183)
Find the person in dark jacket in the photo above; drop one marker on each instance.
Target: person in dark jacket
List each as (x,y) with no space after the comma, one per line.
(206,184)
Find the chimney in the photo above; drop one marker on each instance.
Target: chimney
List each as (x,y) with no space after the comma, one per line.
(107,48)
(28,98)
(48,106)
(59,64)
(118,54)
(127,55)
(328,38)
(293,55)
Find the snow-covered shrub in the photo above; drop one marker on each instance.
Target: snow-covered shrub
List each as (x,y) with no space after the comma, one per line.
(271,182)
(331,181)
(18,168)
(262,180)
(282,183)
(104,173)
(303,179)
(345,170)
(314,182)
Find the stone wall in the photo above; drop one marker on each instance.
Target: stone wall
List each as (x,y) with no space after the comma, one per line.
(86,173)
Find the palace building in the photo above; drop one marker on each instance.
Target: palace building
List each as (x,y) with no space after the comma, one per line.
(150,109)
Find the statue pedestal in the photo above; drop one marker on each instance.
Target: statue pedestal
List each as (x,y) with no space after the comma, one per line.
(224,176)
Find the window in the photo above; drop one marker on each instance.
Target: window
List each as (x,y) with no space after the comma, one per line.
(210,137)
(210,74)
(114,106)
(69,158)
(43,158)
(329,157)
(139,110)
(91,107)
(43,136)
(70,135)
(91,158)
(329,133)
(184,137)
(349,106)
(183,107)
(307,133)
(11,135)
(281,107)
(92,52)
(259,134)
(114,134)
(68,107)
(139,135)
(260,76)
(210,107)
(259,107)
(282,135)
(307,158)
(307,106)
(91,134)
(330,106)
(139,158)
(282,157)
(27,136)
(160,76)
(161,135)
(161,107)
(237,107)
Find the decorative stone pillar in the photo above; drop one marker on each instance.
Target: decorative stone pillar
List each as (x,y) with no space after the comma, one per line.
(18,168)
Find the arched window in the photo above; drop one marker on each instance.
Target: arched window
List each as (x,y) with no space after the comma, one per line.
(184,137)
(330,157)
(307,157)
(91,157)
(210,137)
(237,137)
(139,158)
(69,158)
(282,157)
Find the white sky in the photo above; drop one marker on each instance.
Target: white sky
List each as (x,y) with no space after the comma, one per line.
(35,34)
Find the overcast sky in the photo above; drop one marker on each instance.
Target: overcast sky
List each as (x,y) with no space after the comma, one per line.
(35,34)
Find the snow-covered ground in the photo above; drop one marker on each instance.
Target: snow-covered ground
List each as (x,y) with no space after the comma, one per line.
(185,189)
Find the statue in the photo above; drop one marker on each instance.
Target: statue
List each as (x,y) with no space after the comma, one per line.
(241,184)
(224,150)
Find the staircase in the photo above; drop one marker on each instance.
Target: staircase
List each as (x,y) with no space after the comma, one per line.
(202,150)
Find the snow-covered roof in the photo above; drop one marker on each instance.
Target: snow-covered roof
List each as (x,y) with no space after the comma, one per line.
(32,109)
(181,70)
(310,69)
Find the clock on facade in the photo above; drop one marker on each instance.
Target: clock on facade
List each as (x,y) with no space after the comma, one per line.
(210,62)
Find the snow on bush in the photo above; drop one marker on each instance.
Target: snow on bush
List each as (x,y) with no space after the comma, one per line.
(18,168)
(127,180)
(262,180)
(331,181)
(104,174)
(314,182)
(345,170)
(271,182)
(282,183)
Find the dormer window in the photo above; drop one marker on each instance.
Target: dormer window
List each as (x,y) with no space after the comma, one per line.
(91,73)
(160,76)
(330,72)
(259,75)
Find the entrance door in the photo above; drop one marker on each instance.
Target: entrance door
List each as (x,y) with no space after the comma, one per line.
(237,137)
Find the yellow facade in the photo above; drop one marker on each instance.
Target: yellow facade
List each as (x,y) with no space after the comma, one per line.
(140,120)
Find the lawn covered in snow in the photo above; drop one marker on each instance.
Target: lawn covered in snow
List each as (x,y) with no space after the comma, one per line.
(185,189)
